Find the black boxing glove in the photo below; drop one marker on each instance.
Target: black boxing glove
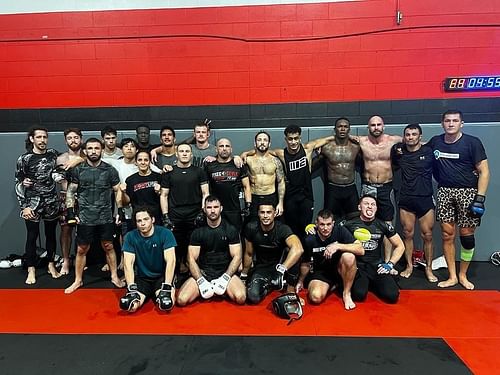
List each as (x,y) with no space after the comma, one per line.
(278,277)
(200,220)
(130,298)
(164,298)
(476,208)
(167,223)
(246,210)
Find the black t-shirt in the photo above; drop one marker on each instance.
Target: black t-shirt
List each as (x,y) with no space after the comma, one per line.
(214,245)
(95,188)
(416,169)
(298,174)
(455,163)
(371,235)
(184,197)
(225,183)
(314,247)
(141,191)
(268,247)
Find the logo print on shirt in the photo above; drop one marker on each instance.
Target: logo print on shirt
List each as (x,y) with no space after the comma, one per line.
(297,164)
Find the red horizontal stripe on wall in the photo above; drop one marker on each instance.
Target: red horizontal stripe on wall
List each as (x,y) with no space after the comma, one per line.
(128,68)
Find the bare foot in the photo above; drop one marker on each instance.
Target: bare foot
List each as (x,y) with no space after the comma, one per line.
(430,275)
(65,268)
(448,283)
(407,272)
(53,271)
(348,302)
(118,283)
(465,282)
(73,287)
(31,279)
(105,268)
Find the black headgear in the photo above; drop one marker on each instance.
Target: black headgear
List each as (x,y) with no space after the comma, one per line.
(287,306)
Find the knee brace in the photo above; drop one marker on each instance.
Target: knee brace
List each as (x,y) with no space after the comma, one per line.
(467,251)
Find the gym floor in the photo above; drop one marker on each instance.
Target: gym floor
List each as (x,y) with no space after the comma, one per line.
(431,331)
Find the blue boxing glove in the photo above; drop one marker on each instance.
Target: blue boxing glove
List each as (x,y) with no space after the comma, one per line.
(385,268)
(476,208)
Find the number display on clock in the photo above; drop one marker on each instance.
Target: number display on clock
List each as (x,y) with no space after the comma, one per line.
(472,83)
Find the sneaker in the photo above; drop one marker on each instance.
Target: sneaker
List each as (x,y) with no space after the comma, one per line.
(4,264)
(438,263)
(17,262)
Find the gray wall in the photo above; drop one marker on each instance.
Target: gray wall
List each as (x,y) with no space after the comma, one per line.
(12,229)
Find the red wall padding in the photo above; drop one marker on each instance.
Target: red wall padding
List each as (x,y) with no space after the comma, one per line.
(196,71)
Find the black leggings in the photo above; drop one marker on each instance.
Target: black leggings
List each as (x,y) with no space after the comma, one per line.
(384,286)
(33,232)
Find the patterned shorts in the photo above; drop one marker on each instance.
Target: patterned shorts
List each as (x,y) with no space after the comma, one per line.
(453,206)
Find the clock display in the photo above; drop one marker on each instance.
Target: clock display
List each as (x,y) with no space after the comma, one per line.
(472,83)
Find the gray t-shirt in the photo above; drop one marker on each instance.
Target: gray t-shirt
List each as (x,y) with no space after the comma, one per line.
(199,155)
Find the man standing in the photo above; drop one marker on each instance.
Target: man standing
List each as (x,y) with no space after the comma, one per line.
(373,272)
(273,250)
(462,172)
(143,133)
(183,192)
(226,183)
(165,154)
(149,250)
(341,194)
(93,181)
(265,171)
(37,195)
(73,138)
(214,257)
(202,148)
(415,200)
(108,135)
(329,257)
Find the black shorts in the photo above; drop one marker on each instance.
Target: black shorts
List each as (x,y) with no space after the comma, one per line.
(149,286)
(330,277)
(212,273)
(384,194)
(85,234)
(341,199)
(419,205)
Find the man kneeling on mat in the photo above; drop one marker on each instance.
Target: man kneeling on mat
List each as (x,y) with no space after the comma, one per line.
(277,251)
(214,255)
(329,257)
(151,249)
(374,272)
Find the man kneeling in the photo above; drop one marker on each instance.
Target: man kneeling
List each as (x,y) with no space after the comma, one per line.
(329,257)
(151,249)
(214,255)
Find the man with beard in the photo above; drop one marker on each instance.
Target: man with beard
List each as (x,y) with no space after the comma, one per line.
(341,194)
(37,195)
(265,171)
(93,181)
(329,257)
(272,252)
(73,138)
(226,183)
(165,154)
(109,135)
(183,192)
(415,199)
(214,257)
(377,170)
(374,273)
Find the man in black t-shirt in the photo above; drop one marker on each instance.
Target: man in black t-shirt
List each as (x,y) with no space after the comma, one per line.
(373,273)
(183,191)
(462,173)
(227,182)
(415,199)
(329,257)
(93,181)
(274,250)
(143,187)
(214,257)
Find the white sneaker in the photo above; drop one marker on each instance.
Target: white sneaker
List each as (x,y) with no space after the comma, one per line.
(4,264)
(17,262)
(438,263)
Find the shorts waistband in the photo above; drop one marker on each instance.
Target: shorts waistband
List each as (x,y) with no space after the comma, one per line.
(341,185)
(377,185)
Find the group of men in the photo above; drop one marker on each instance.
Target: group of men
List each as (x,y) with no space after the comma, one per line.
(183,207)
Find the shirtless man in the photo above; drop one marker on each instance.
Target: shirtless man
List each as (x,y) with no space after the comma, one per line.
(341,194)
(377,173)
(73,138)
(264,171)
